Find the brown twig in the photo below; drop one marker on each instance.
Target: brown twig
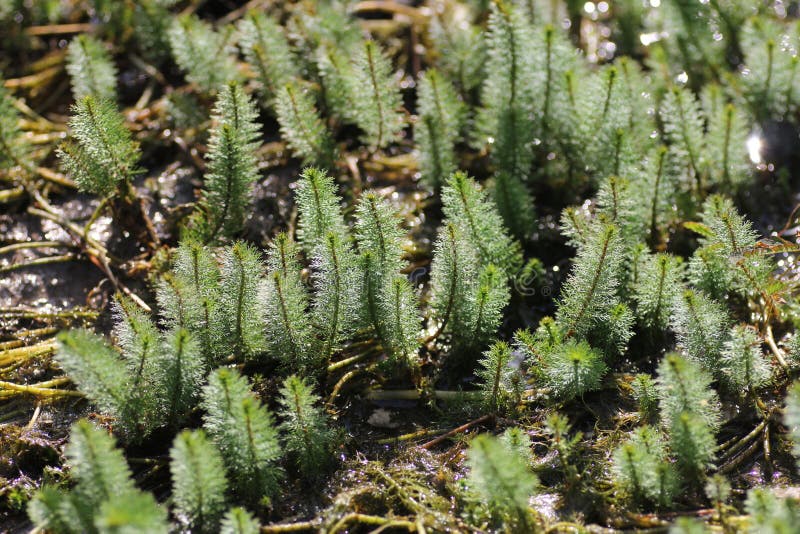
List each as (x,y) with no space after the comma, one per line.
(466,426)
(300,526)
(47,260)
(335,366)
(42,389)
(342,381)
(372,520)
(775,350)
(395,8)
(58,29)
(33,244)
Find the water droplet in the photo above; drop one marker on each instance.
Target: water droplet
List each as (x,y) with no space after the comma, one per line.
(649,38)
(754,145)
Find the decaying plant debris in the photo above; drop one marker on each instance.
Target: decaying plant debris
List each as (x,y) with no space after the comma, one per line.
(381,266)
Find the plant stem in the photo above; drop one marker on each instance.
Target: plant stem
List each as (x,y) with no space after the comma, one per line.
(775,350)
(42,389)
(372,520)
(466,426)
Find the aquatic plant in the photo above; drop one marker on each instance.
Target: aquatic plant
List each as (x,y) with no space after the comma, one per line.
(232,167)
(103,155)
(328,236)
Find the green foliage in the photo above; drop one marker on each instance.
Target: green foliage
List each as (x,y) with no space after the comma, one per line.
(307,435)
(375,97)
(179,370)
(692,443)
(441,117)
(461,50)
(301,125)
(103,154)
(492,297)
(690,411)
(590,291)
(573,369)
(618,204)
(792,417)
(91,70)
(337,75)
(684,387)
(501,380)
(728,230)
(243,431)
(641,469)
(400,320)
(688,525)
(469,208)
(156,383)
(285,300)
(98,467)
(198,481)
(137,336)
(657,183)
(266,48)
(242,323)
(232,166)
(12,144)
(131,513)
(612,337)
(516,440)
(336,306)
(319,210)
(729,261)
(151,21)
(771,75)
(388,300)
(330,23)
(378,233)
(528,95)
(507,95)
(556,127)
(743,365)
(771,514)
(469,290)
(701,325)
(558,427)
(727,134)
(467,300)
(96,369)
(239,521)
(504,121)
(644,391)
(607,128)
(188,297)
(657,289)
(502,479)
(514,203)
(104,498)
(691,45)
(203,54)
(683,128)
(718,491)
(54,509)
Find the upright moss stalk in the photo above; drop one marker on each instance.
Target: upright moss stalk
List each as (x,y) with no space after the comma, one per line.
(232,166)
